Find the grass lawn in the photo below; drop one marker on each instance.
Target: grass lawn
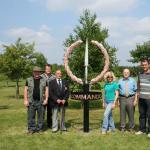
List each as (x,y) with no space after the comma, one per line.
(13,129)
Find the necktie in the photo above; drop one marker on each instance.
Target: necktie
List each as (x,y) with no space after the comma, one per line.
(59,83)
(126,89)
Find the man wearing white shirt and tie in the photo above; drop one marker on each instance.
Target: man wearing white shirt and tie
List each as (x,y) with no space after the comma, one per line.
(59,93)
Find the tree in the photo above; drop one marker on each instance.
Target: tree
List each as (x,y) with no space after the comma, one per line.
(17,61)
(40,60)
(141,52)
(89,28)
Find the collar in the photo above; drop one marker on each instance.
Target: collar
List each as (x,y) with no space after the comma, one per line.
(59,79)
(47,76)
(110,82)
(126,79)
(37,78)
(148,72)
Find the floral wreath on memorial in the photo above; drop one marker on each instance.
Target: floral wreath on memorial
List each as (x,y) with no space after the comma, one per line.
(68,70)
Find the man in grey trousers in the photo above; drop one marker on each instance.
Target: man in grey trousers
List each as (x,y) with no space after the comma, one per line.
(127,99)
(59,94)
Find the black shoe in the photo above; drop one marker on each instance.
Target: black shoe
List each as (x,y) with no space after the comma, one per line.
(49,126)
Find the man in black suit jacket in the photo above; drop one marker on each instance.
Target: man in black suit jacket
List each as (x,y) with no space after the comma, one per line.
(59,93)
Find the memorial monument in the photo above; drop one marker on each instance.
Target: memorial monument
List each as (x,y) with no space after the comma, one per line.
(86,95)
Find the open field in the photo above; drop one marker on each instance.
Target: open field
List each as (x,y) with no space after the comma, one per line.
(13,129)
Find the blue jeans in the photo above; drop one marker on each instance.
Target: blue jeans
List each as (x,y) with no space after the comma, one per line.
(108,122)
(35,107)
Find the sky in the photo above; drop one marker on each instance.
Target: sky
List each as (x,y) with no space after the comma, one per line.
(49,22)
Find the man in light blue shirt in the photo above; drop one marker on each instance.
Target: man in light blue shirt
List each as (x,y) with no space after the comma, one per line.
(127,99)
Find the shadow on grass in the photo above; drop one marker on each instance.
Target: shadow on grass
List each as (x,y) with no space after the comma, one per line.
(73,104)
(4,107)
(68,124)
(72,122)
(117,125)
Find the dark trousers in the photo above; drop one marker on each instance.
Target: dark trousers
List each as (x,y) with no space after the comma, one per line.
(34,108)
(49,114)
(126,106)
(144,111)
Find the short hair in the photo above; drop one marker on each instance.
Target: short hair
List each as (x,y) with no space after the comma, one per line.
(48,65)
(109,73)
(145,60)
(126,69)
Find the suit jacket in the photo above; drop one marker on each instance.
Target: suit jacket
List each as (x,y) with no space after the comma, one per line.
(55,92)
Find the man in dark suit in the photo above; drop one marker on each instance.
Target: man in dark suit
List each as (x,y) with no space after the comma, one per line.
(59,93)
(48,76)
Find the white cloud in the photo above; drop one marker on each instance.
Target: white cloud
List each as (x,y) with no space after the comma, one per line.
(138,39)
(106,6)
(136,25)
(130,24)
(109,5)
(44,42)
(125,33)
(126,26)
(42,38)
(55,5)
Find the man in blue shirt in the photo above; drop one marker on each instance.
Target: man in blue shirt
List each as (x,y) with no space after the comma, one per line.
(127,99)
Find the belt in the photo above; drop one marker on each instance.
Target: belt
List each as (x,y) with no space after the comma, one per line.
(126,96)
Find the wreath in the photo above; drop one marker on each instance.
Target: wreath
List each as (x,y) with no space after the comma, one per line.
(68,70)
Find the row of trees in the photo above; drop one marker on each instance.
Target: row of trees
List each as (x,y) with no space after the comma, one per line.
(17,60)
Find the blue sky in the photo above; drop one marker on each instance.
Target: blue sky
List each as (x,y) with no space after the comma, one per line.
(49,22)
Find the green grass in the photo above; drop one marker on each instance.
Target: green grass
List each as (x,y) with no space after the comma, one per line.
(13,129)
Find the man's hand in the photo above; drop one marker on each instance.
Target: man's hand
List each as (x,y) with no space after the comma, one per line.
(45,102)
(103,105)
(26,103)
(58,101)
(134,103)
(63,101)
(113,105)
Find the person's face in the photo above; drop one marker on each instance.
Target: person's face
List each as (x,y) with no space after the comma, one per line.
(36,74)
(58,74)
(48,70)
(110,78)
(145,66)
(126,73)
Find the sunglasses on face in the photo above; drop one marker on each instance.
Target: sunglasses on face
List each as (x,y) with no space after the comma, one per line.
(109,77)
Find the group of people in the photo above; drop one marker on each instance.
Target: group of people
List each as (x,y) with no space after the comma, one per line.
(52,92)
(46,91)
(127,93)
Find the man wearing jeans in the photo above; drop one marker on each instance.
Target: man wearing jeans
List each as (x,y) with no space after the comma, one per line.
(127,99)
(35,97)
(144,98)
